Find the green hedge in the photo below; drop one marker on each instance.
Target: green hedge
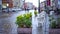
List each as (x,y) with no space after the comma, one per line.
(35,12)
(24,20)
(52,22)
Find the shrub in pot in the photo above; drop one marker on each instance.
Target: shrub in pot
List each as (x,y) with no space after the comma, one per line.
(28,23)
(30,14)
(58,22)
(53,24)
(35,12)
(24,20)
(52,21)
(28,20)
(19,21)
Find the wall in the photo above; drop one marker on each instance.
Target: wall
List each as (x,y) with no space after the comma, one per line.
(21,3)
(42,5)
(29,5)
(17,3)
(10,2)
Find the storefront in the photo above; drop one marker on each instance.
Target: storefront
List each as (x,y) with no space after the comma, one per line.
(6,5)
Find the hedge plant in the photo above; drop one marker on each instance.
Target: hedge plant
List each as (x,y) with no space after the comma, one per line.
(24,20)
(58,22)
(52,22)
(35,12)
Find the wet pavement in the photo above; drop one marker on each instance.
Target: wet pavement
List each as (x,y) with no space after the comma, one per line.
(11,18)
(7,22)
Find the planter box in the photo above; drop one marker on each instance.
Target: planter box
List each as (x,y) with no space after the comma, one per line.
(29,31)
(54,31)
(24,30)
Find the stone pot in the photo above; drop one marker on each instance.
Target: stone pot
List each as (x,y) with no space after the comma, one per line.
(24,30)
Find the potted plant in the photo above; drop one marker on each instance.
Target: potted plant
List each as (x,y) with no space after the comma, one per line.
(35,12)
(53,22)
(58,22)
(19,21)
(24,21)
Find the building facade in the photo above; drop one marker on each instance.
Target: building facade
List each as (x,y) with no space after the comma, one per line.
(53,4)
(28,5)
(7,3)
(58,4)
(43,5)
(22,3)
(18,3)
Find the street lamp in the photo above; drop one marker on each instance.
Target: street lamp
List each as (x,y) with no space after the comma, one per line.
(8,7)
(39,6)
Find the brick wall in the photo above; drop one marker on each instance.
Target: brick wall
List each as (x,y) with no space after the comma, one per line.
(10,2)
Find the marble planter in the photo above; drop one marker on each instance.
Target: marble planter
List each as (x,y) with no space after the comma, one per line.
(24,30)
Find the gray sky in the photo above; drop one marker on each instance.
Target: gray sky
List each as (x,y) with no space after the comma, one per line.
(35,2)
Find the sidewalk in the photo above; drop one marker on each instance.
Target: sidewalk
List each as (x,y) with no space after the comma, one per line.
(4,14)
